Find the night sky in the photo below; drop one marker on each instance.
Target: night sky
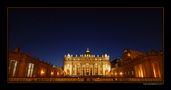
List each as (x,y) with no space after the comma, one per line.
(50,33)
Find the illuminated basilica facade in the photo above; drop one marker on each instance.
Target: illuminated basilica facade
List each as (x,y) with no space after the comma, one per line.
(131,66)
(87,65)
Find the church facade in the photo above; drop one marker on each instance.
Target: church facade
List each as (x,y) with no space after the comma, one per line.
(87,65)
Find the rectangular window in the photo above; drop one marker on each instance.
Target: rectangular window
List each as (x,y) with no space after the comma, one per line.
(12,67)
(141,74)
(30,70)
(156,70)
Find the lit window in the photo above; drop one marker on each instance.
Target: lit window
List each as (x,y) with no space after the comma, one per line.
(12,67)
(156,70)
(30,70)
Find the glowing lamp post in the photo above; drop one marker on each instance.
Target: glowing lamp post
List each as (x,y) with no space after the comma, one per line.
(42,72)
(121,74)
(52,73)
(115,73)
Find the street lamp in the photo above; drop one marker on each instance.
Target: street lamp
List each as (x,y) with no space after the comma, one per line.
(121,73)
(52,73)
(42,72)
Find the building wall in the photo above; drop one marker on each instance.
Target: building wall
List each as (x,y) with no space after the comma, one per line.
(140,65)
(23,65)
(86,65)
(131,64)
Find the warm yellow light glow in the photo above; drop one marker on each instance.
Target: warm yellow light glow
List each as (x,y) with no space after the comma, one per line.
(129,54)
(142,74)
(88,66)
(140,71)
(57,73)
(105,55)
(115,73)
(121,73)
(158,69)
(52,73)
(154,70)
(42,72)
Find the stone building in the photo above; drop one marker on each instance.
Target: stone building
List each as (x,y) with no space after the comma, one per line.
(22,65)
(87,65)
(138,64)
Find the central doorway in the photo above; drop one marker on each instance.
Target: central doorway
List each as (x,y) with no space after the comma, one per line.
(87,73)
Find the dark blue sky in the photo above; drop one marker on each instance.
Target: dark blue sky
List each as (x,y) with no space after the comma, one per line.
(50,33)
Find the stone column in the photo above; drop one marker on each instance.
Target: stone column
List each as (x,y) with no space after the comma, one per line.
(92,69)
(75,69)
(103,69)
(81,71)
(98,71)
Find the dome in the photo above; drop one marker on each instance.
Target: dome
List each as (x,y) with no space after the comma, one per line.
(87,52)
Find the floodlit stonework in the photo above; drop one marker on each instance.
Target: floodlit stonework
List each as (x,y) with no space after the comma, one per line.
(132,66)
(87,65)
(139,65)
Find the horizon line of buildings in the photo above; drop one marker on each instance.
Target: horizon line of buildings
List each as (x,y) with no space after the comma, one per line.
(132,63)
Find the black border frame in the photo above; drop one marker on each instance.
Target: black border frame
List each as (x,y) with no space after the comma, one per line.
(3,33)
